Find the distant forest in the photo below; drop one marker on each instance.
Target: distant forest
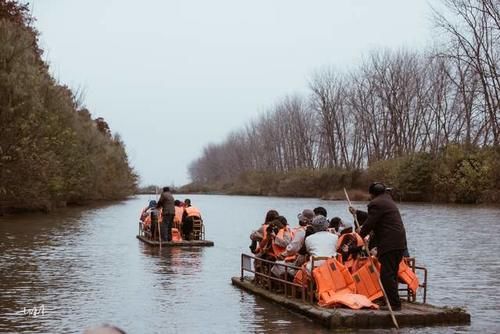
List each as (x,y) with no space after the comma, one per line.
(52,152)
(426,123)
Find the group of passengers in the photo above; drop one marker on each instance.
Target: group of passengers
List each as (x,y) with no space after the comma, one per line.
(316,236)
(167,216)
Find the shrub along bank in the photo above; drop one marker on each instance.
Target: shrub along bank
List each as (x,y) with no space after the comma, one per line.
(456,175)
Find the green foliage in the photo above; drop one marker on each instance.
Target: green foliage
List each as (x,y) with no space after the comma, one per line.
(51,152)
(457,174)
(467,175)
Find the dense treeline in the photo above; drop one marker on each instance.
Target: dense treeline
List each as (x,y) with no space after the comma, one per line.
(51,150)
(427,122)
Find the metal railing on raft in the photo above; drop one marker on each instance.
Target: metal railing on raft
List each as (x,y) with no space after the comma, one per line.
(141,229)
(410,296)
(268,281)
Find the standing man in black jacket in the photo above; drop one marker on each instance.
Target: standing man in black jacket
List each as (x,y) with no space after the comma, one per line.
(385,221)
(166,203)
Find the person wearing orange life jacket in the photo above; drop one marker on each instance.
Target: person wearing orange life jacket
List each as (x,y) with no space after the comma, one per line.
(283,237)
(190,214)
(149,217)
(299,235)
(146,211)
(292,254)
(179,211)
(260,234)
(349,246)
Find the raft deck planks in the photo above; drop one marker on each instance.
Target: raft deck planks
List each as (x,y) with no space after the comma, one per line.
(411,314)
(184,243)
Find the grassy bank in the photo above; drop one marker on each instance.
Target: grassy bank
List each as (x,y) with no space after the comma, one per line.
(456,175)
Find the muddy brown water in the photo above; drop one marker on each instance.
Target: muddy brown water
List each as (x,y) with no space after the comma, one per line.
(81,267)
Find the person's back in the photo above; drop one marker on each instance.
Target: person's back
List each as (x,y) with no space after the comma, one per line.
(190,214)
(385,220)
(179,211)
(166,202)
(322,242)
(192,211)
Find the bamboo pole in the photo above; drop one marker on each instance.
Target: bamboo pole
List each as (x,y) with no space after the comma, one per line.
(356,223)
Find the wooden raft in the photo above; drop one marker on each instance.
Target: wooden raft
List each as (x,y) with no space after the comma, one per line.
(411,314)
(183,243)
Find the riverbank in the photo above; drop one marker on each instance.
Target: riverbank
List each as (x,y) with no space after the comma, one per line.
(10,208)
(456,174)
(53,151)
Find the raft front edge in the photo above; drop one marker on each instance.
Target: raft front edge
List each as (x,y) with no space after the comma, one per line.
(183,243)
(411,314)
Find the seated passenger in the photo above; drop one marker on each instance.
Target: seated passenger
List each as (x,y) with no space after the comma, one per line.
(349,246)
(282,238)
(179,211)
(266,249)
(258,235)
(299,235)
(292,254)
(320,211)
(188,217)
(149,217)
(144,212)
(346,227)
(335,224)
(322,243)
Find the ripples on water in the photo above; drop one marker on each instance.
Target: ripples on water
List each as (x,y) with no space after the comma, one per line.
(86,267)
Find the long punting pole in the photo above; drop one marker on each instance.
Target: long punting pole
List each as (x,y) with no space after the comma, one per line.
(373,265)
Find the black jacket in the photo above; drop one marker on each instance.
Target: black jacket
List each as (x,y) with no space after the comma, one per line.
(166,203)
(385,221)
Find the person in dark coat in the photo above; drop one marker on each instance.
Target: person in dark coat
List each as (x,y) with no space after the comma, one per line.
(385,221)
(166,203)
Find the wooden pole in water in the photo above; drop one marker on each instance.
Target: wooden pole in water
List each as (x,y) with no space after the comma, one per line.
(356,223)
(158,221)
(159,230)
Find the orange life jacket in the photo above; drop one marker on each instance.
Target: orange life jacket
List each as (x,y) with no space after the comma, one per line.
(176,236)
(147,220)
(147,217)
(179,211)
(191,211)
(366,281)
(335,286)
(359,240)
(301,277)
(264,238)
(406,274)
(281,234)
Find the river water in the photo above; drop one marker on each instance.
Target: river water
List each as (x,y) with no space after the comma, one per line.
(81,267)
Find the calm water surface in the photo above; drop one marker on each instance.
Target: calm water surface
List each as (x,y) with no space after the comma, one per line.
(85,267)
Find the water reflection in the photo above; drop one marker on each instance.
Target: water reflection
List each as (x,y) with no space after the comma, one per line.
(86,267)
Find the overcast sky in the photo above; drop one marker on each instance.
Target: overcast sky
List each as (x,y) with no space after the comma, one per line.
(173,76)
